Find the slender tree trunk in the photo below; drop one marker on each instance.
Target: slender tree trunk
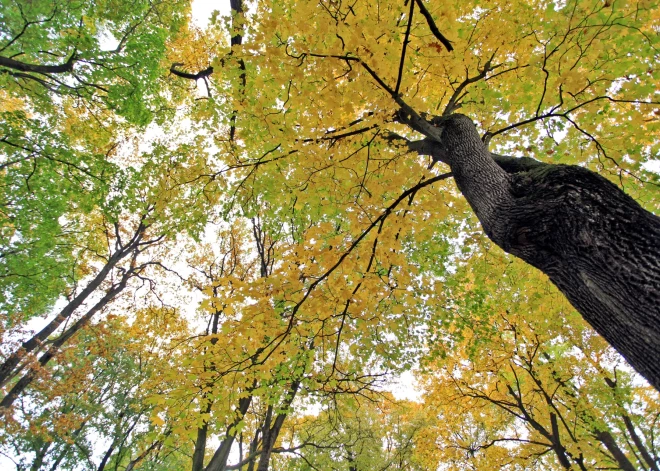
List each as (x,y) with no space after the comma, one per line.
(119,439)
(123,436)
(60,457)
(28,377)
(630,427)
(597,245)
(351,462)
(106,457)
(67,446)
(237,40)
(7,369)
(552,436)
(639,444)
(202,432)
(557,446)
(270,434)
(622,460)
(137,460)
(200,443)
(39,457)
(219,460)
(253,448)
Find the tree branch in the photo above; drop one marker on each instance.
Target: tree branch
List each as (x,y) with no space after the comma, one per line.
(432,26)
(403,49)
(202,74)
(38,69)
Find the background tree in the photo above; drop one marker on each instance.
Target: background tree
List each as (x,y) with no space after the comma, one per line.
(523,389)
(355,434)
(95,393)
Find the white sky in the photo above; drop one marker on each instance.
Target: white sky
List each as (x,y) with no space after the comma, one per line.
(202,10)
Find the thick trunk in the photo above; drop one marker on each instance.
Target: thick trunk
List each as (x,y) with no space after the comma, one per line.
(598,245)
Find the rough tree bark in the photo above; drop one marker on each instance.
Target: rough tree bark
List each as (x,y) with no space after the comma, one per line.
(597,244)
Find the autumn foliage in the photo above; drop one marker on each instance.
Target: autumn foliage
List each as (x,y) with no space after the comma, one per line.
(215,256)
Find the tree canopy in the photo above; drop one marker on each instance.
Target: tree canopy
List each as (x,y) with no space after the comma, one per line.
(220,246)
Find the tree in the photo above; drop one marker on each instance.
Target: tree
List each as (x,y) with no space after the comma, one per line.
(355,434)
(564,40)
(95,393)
(351,244)
(576,76)
(66,70)
(597,244)
(85,51)
(522,391)
(594,242)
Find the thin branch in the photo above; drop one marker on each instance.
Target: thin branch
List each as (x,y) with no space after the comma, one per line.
(459,94)
(432,26)
(406,40)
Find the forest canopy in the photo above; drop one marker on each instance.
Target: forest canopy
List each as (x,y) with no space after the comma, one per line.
(217,251)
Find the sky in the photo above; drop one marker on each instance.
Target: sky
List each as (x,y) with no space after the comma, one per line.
(202,10)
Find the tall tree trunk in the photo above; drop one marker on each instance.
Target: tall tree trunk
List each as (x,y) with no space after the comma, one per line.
(557,446)
(202,432)
(622,460)
(219,459)
(270,434)
(8,368)
(155,445)
(630,427)
(106,457)
(639,444)
(597,245)
(31,374)
(200,444)
(39,457)
(66,446)
(351,462)
(253,449)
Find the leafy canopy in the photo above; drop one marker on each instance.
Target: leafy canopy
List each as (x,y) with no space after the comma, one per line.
(295,256)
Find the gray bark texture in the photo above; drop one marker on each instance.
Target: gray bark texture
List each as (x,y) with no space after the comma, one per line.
(597,244)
